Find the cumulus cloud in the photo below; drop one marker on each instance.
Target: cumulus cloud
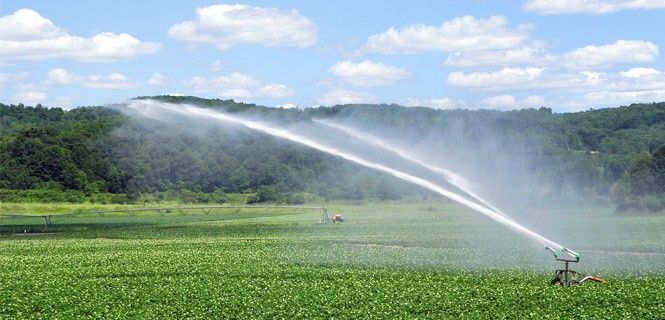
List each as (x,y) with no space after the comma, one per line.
(640,72)
(157,79)
(460,34)
(287,106)
(507,102)
(589,6)
(618,52)
(274,90)
(341,96)
(238,85)
(559,81)
(503,77)
(518,56)
(621,51)
(445,103)
(111,81)
(576,88)
(26,35)
(115,80)
(368,73)
(58,77)
(216,66)
(225,26)
(435,103)
(235,80)
(634,96)
(533,101)
(9,77)
(31,97)
(235,93)
(504,101)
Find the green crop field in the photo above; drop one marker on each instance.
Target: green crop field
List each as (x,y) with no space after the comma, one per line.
(407,259)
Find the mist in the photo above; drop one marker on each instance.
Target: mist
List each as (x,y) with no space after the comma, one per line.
(501,188)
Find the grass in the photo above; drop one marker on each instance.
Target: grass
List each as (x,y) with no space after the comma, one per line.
(59,208)
(387,260)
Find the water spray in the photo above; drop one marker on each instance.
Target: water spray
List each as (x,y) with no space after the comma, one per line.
(146,108)
(458,181)
(564,277)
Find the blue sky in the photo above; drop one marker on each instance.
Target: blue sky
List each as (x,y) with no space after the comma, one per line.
(566,54)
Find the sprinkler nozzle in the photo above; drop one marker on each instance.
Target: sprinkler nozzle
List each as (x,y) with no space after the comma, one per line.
(556,255)
(571,252)
(564,255)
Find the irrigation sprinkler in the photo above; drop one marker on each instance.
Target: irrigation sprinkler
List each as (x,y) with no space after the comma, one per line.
(325,216)
(567,277)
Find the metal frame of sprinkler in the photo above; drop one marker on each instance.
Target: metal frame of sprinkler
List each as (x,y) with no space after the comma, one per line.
(567,277)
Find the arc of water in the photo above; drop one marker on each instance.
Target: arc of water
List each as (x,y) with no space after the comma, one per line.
(453,178)
(144,108)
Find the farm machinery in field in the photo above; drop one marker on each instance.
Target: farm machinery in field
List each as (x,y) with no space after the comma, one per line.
(567,277)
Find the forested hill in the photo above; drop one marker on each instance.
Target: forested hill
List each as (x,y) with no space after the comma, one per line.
(99,154)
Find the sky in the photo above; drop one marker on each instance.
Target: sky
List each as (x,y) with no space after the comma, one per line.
(569,55)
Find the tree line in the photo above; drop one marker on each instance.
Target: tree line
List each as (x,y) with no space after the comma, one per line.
(100,154)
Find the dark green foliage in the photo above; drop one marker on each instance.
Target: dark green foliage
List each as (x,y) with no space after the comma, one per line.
(43,195)
(266,194)
(95,151)
(642,186)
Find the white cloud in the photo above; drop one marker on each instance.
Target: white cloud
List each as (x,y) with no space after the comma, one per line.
(589,6)
(26,35)
(578,88)
(593,76)
(111,81)
(58,77)
(225,26)
(274,90)
(341,96)
(368,73)
(640,72)
(435,103)
(287,106)
(445,103)
(25,86)
(460,34)
(30,97)
(157,80)
(562,82)
(238,85)
(617,97)
(235,80)
(508,102)
(621,51)
(503,77)
(235,93)
(504,101)
(534,101)
(115,80)
(8,77)
(216,66)
(522,55)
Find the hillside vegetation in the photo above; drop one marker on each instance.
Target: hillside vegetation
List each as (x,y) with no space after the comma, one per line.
(98,154)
